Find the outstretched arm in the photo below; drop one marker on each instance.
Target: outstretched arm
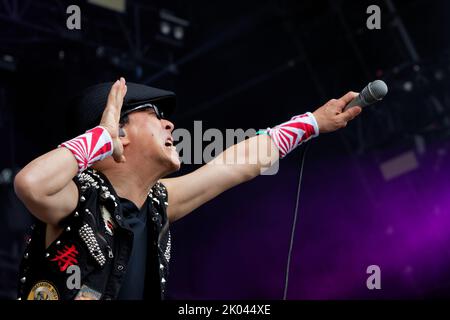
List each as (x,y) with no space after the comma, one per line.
(239,163)
(249,158)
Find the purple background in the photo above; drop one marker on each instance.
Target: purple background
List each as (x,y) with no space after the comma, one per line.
(236,246)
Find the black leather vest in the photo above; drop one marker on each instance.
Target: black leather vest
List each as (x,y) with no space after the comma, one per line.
(95,245)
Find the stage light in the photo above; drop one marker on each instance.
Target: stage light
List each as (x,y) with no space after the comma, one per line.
(420,144)
(115,60)
(178,33)
(164,28)
(399,165)
(8,58)
(439,75)
(115,5)
(172,29)
(8,63)
(100,51)
(6,176)
(408,86)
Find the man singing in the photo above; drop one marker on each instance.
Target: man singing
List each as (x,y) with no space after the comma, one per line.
(103,206)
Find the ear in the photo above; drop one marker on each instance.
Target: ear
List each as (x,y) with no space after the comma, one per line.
(123,136)
(121,132)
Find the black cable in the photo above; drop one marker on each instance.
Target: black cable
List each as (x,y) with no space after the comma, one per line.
(294,223)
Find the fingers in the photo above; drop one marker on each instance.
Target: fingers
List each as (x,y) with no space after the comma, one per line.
(116,95)
(348,115)
(344,100)
(125,89)
(113,94)
(120,94)
(118,151)
(348,97)
(119,158)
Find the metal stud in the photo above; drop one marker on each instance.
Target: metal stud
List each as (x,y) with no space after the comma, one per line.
(25,255)
(76,214)
(68,229)
(23,279)
(47,255)
(105,195)
(87,235)
(58,242)
(168,247)
(82,199)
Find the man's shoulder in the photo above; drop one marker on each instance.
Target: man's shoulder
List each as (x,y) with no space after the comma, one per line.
(90,178)
(159,188)
(158,193)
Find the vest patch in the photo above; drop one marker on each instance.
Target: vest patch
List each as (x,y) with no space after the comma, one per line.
(108,221)
(43,290)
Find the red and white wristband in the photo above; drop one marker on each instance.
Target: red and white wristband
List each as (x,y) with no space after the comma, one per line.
(288,135)
(94,145)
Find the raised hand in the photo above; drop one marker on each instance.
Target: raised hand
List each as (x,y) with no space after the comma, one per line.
(111,116)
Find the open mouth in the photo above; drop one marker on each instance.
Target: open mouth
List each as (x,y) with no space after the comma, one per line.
(169,143)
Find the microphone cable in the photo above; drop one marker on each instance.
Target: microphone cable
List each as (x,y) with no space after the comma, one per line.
(294,222)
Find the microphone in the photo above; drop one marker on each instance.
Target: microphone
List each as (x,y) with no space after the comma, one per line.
(373,92)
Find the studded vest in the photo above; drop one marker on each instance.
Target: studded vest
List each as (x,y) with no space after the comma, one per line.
(88,260)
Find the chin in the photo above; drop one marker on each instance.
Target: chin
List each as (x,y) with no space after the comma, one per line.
(175,164)
(173,161)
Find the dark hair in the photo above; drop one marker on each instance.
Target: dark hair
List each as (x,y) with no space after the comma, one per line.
(124,120)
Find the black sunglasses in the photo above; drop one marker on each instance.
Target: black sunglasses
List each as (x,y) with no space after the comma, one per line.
(159,114)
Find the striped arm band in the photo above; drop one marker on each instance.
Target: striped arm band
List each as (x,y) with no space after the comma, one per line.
(95,145)
(288,135)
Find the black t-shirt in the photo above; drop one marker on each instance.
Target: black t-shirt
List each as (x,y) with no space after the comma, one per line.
(134,279)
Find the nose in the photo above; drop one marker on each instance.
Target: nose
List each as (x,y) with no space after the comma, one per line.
(168,125)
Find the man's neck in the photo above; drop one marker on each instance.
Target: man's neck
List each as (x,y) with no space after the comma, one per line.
(133,185)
